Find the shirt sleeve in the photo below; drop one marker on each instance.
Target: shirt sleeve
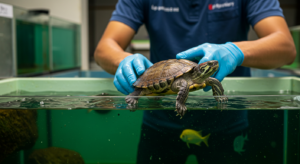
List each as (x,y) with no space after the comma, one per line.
(260,9)
(129,12)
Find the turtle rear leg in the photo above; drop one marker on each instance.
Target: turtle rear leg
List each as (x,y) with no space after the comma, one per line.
(217,89)
(182,97)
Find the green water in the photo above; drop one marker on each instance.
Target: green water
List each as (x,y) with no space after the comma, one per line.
(65,47)
(110,134)
(32,47)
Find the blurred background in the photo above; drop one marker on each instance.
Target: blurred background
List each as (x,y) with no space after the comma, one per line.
(58,38)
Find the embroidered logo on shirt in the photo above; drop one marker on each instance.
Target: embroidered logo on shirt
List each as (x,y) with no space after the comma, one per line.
(220,6)
(165,9)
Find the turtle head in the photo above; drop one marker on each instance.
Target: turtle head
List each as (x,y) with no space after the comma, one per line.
(205,70)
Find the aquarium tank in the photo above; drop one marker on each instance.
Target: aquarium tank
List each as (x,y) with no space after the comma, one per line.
(86,120)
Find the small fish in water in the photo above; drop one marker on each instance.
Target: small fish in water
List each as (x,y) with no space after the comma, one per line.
(191,136)
(239,142)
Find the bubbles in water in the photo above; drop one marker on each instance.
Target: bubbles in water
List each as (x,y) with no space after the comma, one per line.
(69,108)
(42,102)
(23,99)
(273,144)
(271,75)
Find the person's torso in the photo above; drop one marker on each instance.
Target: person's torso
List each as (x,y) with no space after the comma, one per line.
(177,25)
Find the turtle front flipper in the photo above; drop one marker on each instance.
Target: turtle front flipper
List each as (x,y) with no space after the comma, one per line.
(181,97)
(132,101)
(217,89)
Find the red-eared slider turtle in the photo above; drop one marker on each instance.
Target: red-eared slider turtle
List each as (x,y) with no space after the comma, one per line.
(177,77)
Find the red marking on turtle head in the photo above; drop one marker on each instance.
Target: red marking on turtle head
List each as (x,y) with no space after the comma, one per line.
(203,64)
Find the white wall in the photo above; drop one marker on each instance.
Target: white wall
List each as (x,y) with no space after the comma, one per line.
(66,9)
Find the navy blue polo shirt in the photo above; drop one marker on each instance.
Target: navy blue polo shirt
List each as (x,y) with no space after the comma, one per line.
(177,25)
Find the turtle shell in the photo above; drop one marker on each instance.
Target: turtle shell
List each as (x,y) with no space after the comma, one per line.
(166,70)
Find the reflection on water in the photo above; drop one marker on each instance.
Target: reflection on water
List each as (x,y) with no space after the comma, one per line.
(111,100)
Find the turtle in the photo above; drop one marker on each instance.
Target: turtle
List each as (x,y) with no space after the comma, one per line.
(179,77)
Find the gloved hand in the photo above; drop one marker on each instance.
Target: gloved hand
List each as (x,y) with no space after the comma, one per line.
(127,72)
(228,55)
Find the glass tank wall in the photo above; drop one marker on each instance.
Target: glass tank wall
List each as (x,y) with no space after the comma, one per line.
(295,31)
(6,48)
(65,44)
(44,43)
(32,42)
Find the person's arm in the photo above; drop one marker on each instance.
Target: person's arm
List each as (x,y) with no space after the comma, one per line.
(275,47)
(110,50)
(110,55)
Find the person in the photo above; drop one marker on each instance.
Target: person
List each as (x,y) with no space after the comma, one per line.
(198,30)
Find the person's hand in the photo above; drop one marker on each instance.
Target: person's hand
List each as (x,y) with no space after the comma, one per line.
(128,70)
(228,55)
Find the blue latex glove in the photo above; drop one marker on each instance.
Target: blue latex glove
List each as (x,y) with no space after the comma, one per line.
(228,55)
(128,70)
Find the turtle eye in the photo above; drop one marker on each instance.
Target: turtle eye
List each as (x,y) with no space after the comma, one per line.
(202,69)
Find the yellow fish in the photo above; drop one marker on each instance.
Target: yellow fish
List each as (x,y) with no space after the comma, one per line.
(193,137)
